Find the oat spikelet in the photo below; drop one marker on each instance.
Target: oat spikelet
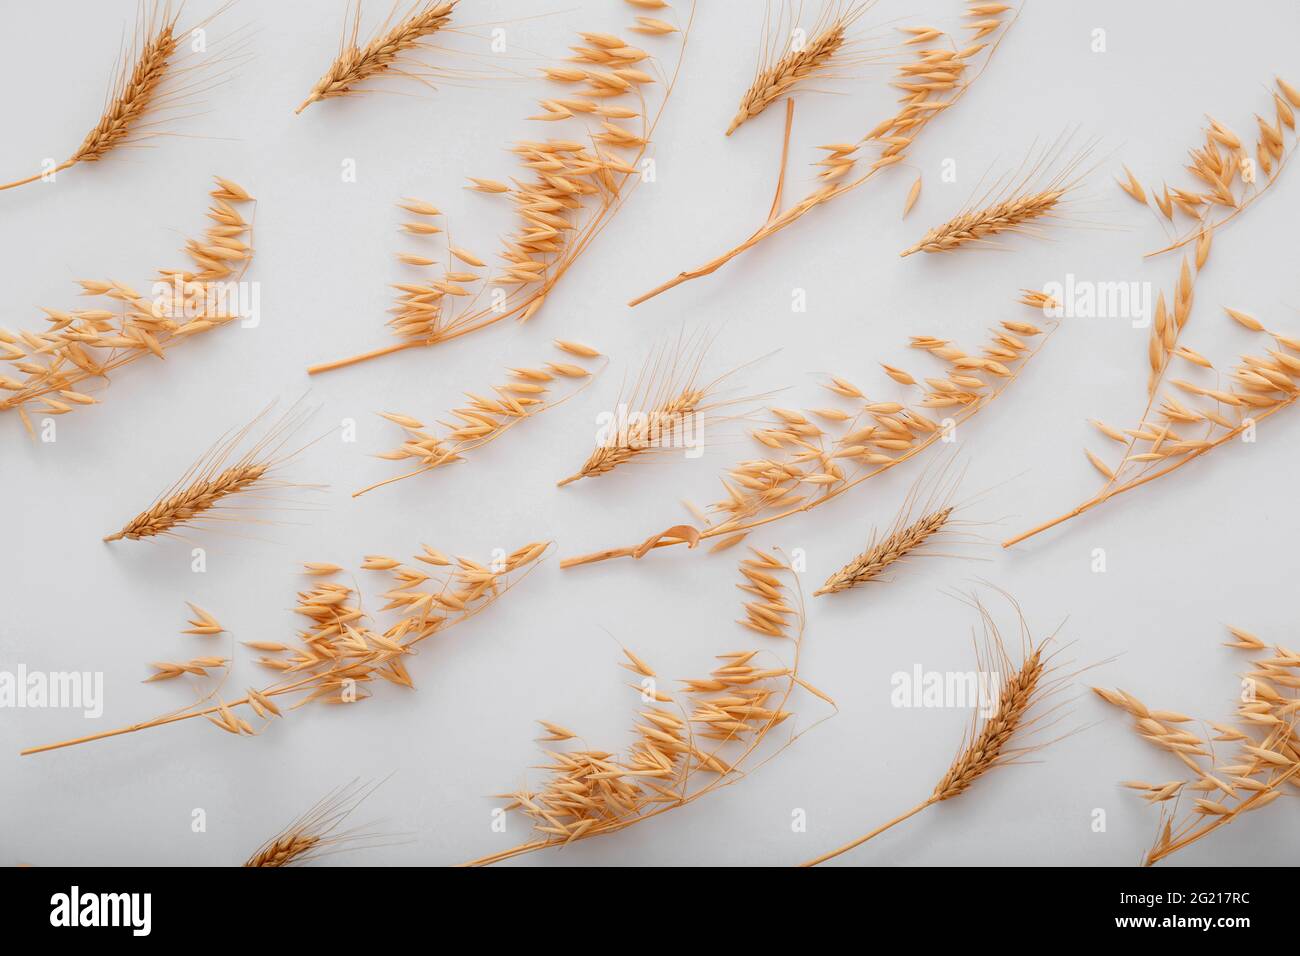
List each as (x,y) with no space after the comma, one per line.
(199,495)
(341,652)
(82,345)
(384,54)
(1185,419)
(1027,203)
(1254,763)
(686,745)
(528,394)
(140,90)
(568,190)
(811,61)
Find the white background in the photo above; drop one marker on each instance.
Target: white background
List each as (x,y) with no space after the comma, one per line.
(1210,546)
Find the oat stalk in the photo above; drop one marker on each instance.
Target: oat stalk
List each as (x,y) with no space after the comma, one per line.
(872,439)
(687,745)
(1263,757)
(342,653)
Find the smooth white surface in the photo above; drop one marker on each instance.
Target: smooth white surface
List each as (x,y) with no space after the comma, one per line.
(1185,556)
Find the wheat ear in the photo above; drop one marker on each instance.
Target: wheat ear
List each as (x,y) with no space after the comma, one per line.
(198,496)
(383,54)
(797,66)
(1023,205)
(314,833)
(137,91)
(667,398)
(869,565)
(991,744)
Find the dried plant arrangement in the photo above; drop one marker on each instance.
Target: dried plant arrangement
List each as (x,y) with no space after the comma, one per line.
(213,491)
(316,833)
(1227,178)
(999,739)
(392,50)
(1222,787)
(808,464)
(577,186)
(669,406)
(1024,202)
(483,420)
(931,82)
(686,745)
(927,517)
(85,344)
(1176,429)
(340,653)
(783,66)
(154,83)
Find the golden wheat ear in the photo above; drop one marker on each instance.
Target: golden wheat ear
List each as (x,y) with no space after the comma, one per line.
(316,833)
(203,495)
(387,53)
(927,517)
(783,66)
(1024,201)
(153,85)
(669,405)
(1003,734)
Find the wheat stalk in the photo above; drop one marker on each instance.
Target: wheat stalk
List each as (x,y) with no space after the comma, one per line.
(199,496)
(1260,387)
(85,344)
(877,436)
(577,186)
(812,60)
(340,653)
(931,83)
(1267,750)
(593,793)
(139,91)
(383,54)
(990,743)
